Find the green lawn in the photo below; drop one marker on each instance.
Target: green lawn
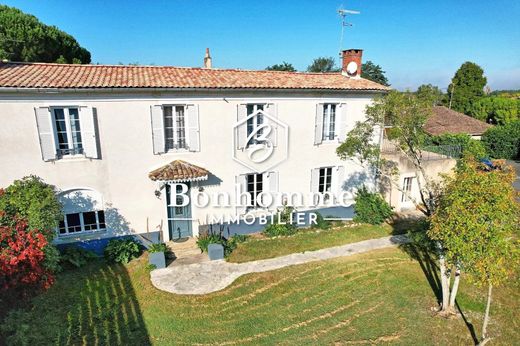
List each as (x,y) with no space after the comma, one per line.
(378,297)
(305,240)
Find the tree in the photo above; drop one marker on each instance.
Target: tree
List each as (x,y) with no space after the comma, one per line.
(24,38)
(323,64)
(373,72)
(431,93)
(503,142)
(284,66)
(496,110)
(406,114)
(477,221)
(467,86)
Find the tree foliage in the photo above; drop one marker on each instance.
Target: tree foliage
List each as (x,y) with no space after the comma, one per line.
(477,222)
(374,72)
(32,199)
(406,115)
(431,93)
(467,144)
(496,110)
(503,142)
(284,66)
(24,38)
(323,64)
(466,87)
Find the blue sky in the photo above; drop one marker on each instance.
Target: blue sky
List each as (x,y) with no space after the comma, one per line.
(416,42)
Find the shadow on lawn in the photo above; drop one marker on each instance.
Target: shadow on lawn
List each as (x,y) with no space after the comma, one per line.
(427,261)
(96,304)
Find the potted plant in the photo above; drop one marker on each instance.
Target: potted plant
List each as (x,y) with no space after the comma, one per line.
(157,255)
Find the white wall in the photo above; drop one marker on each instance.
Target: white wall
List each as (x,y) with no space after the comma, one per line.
(121,175)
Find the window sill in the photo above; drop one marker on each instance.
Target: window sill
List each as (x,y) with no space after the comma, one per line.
(73,158)
(80,234)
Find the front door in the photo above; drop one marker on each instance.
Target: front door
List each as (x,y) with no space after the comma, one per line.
(179,218)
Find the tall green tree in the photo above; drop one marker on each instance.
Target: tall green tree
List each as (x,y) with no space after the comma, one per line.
(467,86)
(373,72)
(323,64)
(24,38)
(477,222)
(284,66)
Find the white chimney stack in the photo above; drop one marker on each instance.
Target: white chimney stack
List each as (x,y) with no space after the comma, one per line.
(207,59)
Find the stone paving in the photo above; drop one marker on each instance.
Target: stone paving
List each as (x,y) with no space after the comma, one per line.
(207,277)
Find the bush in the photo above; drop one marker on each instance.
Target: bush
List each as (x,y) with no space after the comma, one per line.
(52,258)
(122,250)
(32,199)
(463,142)
(229,244)
(371,207)
(158,247)
(76,256)
(321,223)
(22,257)
(503,142)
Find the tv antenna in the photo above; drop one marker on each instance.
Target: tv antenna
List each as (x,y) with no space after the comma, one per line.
(343,14)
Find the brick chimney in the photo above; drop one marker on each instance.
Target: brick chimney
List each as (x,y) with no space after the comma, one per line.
(207,59)
(351,66)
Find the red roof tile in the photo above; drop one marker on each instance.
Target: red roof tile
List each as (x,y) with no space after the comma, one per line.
(445,120)
(63,76)
(178,170)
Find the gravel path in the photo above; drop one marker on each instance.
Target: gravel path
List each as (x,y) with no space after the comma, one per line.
(207,277)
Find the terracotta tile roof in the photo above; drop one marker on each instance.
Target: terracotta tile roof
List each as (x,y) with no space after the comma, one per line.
(445,120)
(47,75)
(178,170)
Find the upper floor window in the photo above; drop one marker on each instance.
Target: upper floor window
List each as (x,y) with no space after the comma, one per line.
(174,127)
(329,122)
(68,131)
(254,123)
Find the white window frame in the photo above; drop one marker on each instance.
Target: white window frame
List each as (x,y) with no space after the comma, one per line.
(327,179)
(327,119)
(175,128)
(407,186)
(256,123)
(254,194)
(68,129)
(82,224)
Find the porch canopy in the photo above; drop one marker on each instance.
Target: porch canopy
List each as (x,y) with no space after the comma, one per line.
(179,171)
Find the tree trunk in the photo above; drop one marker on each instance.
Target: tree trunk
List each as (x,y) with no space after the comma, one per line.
(445,282)
(454,289)
(485,339)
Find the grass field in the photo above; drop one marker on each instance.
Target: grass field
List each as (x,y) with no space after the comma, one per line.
(306,240)
(378,297)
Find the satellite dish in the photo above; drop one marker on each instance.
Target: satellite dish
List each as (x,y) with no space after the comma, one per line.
(352,68)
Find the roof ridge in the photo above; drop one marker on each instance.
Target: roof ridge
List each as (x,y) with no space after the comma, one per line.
(164,66)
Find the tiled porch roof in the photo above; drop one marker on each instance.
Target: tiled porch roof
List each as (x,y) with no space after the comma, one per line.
(179,171)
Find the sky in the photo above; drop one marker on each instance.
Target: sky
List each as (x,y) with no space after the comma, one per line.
(415,42)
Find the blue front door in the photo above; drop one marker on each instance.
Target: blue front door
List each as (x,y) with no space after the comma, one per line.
(179,218)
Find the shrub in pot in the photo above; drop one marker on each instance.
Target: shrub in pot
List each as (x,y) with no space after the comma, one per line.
(157,255)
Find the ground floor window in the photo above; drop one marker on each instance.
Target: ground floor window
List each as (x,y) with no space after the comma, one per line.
(255,186)
(89,221)
(325,180)
(407,189)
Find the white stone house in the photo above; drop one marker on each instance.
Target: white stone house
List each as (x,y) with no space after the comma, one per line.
(113,139)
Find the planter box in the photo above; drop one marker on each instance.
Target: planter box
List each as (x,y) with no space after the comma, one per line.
(158,259)
(215,252)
